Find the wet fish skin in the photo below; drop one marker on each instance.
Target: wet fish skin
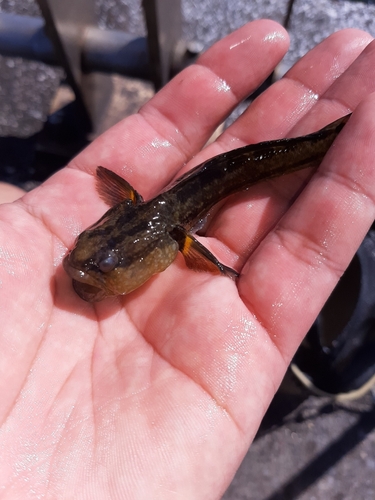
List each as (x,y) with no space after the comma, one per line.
(136,239)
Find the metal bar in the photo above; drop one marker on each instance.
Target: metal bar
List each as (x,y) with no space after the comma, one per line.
(102,50)
(24,36)
(115,52)
(288,14)
(66,24)
(68,37)
(164,28)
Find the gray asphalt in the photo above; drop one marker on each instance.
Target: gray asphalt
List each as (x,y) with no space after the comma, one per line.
(321,451)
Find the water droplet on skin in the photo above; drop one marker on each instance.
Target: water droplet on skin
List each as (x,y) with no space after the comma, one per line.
(239,43)
(275,35)
(158,143)
(222,86)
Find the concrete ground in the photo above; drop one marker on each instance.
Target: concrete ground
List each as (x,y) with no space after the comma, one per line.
(308,448)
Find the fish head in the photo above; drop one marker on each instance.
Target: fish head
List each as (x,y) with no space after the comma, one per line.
(119,253)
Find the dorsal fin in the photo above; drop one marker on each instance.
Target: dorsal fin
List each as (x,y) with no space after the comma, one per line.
(113,189)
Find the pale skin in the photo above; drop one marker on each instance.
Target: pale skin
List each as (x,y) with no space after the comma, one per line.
(9,193)
(158,395)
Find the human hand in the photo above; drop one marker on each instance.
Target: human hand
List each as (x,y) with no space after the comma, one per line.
(158,394)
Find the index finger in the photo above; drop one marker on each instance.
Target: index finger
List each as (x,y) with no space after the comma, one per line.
(150,147)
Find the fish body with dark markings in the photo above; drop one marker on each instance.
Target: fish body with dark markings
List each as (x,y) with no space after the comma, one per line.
(136,239)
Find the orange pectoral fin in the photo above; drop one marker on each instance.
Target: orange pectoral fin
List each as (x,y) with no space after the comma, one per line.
(197,257)
(113,189)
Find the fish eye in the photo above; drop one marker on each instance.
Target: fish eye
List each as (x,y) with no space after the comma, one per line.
(108,261)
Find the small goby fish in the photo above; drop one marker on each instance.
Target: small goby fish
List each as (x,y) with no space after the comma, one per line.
(136,239)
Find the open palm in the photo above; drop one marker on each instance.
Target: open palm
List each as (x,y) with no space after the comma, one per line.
(158,394)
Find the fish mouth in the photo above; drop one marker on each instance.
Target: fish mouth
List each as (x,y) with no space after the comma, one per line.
(89,293)
(73,272)
(82,283)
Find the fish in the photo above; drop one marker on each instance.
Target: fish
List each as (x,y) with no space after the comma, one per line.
(136,239)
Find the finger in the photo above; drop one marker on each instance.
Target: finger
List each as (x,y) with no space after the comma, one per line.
(292,273)
(254,213)
(289,99)
(151,146)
